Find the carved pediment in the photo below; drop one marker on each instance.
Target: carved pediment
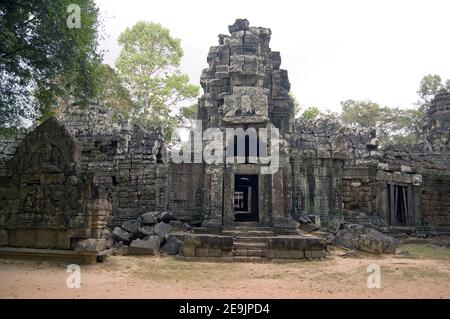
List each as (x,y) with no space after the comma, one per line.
(48,148)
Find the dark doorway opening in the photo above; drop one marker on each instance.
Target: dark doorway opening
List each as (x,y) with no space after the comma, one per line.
(399,198)
(246,198)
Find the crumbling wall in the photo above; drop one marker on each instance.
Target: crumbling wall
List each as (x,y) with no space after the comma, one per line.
(334,170)
(428,175)
(130,162)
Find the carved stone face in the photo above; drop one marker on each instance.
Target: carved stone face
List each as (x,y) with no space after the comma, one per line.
(246,105)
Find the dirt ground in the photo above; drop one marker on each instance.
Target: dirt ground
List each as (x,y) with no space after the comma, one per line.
(418,271)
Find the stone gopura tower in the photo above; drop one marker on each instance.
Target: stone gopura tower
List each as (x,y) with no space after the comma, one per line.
(244,88)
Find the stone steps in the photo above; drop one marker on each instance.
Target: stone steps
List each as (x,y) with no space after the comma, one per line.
(245,224)
(246,228)
(249,245)
(247,233)
(248,239)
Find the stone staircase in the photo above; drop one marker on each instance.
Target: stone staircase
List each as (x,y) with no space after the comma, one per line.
(249,241)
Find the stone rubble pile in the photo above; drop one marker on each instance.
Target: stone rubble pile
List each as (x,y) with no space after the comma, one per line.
(359,237)
(349,235)
(151,233)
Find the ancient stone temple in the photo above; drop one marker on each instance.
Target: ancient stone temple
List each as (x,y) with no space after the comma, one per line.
(252,182)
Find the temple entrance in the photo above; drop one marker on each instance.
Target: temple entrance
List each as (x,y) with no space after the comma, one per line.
(246,198)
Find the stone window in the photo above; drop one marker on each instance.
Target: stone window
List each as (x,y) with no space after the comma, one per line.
(399,205)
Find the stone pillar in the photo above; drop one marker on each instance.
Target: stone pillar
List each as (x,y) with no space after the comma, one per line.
(100,210)
(214,176)
(277,198)
(228,196)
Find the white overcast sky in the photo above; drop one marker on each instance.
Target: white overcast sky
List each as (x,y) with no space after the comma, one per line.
(333,50)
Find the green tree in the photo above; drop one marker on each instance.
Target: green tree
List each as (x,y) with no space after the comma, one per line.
(113,93)
(430,85)
(149,64)
(296,104)
(42,60)
(311,113)
(361,113)
(188,115)
(393,125)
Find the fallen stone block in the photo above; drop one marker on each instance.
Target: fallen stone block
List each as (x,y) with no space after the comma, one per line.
(172,246)
(166,217)
(345,239)
(150,218)
(121,235)
(376,243)
(162,229)
(130,226)
(180,226)
(148,246)
(144,231)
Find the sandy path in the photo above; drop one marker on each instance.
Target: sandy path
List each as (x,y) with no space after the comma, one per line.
(164,277)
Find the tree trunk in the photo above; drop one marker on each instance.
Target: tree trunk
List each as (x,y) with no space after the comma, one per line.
(146,106)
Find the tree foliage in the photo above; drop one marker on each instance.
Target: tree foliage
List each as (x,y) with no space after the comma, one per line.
(42,60)
(149,64)
(188,115)
(297,107)
(113,93)
(430,85)
(394,125)
(311,113)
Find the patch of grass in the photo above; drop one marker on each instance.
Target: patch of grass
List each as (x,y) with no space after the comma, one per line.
(412,273)
(426,251)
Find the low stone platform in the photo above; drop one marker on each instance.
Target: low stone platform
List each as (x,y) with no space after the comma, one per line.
(69,256)
(251,244)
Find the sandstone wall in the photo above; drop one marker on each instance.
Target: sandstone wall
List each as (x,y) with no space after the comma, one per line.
(130,162)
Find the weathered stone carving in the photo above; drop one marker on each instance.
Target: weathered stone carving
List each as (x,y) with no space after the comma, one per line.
(54,205)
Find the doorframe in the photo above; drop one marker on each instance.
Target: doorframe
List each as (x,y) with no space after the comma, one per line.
(242,169)
(254,197)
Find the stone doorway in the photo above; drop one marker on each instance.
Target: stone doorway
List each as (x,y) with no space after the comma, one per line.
(246,198)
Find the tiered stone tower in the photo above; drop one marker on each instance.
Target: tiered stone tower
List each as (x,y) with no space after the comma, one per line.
(244,82)
(437,124)
(244,87)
